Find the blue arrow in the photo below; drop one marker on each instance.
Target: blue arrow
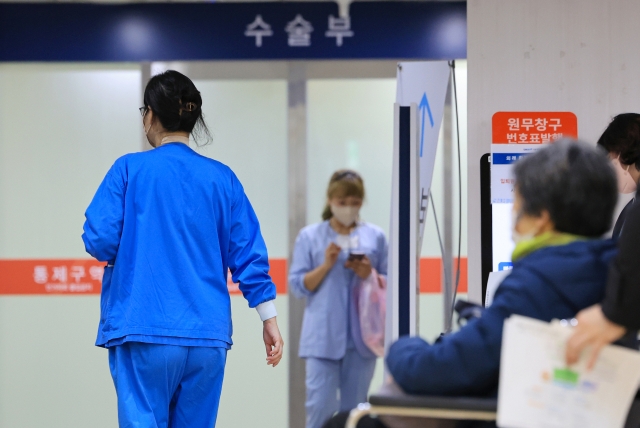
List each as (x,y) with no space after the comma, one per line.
(424,106)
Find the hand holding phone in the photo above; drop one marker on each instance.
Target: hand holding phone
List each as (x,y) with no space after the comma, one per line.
(356,255)
(359,263)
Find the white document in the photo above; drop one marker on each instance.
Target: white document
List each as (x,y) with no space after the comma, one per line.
(495,279)
(537,389)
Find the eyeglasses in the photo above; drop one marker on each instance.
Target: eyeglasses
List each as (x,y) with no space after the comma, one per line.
(143,110)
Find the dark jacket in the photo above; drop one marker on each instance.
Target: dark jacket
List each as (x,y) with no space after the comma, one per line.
(553,282)
(622,302)
(622,217)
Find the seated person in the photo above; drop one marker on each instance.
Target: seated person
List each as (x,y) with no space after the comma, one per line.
(565,195)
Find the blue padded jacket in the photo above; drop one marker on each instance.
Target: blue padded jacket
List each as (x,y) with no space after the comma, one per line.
(553,282)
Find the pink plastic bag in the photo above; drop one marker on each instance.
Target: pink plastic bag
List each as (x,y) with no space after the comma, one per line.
(372,297)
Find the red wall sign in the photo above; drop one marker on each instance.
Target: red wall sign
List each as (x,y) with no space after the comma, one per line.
(67,276)
(278,272)
(431,275)
(533,127)
(84,276)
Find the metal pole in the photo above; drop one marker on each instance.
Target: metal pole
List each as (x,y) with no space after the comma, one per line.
(297,177)
(447,259)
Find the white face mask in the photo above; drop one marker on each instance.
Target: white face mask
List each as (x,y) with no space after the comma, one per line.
(515,235)
(626,183)
(347,215)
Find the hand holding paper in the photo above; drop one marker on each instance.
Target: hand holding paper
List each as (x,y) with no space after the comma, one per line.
(537,388)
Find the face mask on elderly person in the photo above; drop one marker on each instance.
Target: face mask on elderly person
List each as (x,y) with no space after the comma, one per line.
(516,236)
(525,227)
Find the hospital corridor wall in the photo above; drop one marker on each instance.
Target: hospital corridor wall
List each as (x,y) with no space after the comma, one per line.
(546,55)
(63,125)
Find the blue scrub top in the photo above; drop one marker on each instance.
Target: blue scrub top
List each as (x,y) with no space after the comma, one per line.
(327,326)
(171,223)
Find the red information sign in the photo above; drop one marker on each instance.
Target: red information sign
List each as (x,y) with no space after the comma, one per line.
(84,276)
(431,274)
(278,272)
(67,276)
(533,127)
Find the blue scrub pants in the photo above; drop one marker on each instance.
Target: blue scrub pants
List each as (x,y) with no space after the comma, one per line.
(167,386)
(336,385)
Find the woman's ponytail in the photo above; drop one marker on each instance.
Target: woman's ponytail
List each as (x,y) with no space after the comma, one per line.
(327,214)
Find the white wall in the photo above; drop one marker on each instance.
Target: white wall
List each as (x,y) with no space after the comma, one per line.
(61,128)
(248,123)
(546,55)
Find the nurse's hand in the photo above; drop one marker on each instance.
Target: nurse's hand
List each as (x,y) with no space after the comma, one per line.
(362,267)
(313,279)
(272,341)
(331,255)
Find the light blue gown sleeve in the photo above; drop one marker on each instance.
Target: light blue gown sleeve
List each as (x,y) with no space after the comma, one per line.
(301,264)
(248,257)
(105,216)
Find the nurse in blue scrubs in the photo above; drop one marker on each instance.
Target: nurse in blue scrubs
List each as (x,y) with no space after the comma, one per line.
(339,367)
(170,223)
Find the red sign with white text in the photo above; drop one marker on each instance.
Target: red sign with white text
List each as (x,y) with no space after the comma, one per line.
(66,276)
(84,276)
(532,127)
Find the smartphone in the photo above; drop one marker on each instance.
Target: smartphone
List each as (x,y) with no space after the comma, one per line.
(356,255)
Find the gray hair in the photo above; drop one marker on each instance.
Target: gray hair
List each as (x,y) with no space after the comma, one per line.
(574,182)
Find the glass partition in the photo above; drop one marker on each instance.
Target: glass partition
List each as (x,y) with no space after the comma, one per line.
(63,125)
(248,124)
(61,128)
